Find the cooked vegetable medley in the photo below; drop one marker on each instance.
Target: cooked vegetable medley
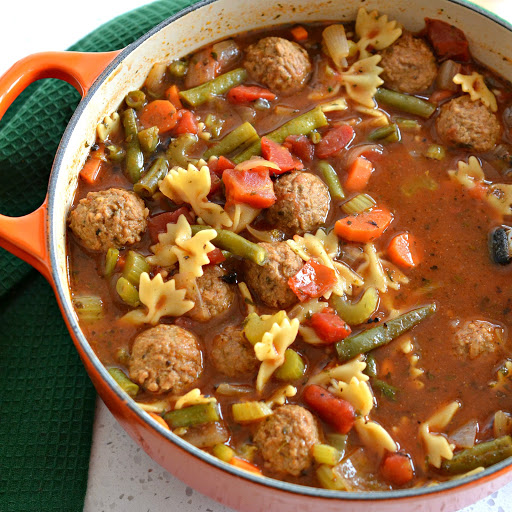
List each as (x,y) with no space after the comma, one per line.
(292,249)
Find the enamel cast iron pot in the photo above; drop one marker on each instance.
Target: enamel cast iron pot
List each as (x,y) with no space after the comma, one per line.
(103,79)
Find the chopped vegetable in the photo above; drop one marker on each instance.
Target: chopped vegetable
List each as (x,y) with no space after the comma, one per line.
(313,280)
(358,204)
(124,382)
(405,102)
(299,33)
(248,93)
(329,479)
(148,139)
(178,149)
(223,452)
(364,227)
(386,389)
(397,469)
(279,155)
(216,256)
(435,152)
(245,465)
(159,113)
(293,367)
(448,41)
(301,146)
(148,184)
(359,174)
(172,94)
(187,123)
(331,179)
(240,137)
(111,261)
(247,412)
(134,161)
(88,307)
(135,265)
(356,313)
(127,292)
(403,250)
(329,326)
(388,133)
(135,99)
(334,140)
(326,454)
(336,44)
(158,223)
(253,187)
(193,415)
(92,167)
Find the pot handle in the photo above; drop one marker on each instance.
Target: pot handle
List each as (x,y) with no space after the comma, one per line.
(25,236)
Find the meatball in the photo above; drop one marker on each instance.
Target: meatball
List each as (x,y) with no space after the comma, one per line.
(232,354)
(409,65)
(302,203)
(467,123)
(281,65)
(212,295)
(165,358)
(286,439)
(270,281)
(109,218)
(478,337)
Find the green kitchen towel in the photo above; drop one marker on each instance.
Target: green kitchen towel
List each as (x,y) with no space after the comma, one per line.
(46,398)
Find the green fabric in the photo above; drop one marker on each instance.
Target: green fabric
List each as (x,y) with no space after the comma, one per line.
(46,399)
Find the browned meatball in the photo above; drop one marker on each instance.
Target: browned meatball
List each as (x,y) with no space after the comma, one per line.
(232,354)
(165,358)
(281,65)
(302,203)
(478,337)
(409,65)
(269,282)
(212,295)
(469,124)
(109,218)
(286,439)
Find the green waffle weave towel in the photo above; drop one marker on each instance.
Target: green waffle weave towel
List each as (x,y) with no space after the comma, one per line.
(46,398)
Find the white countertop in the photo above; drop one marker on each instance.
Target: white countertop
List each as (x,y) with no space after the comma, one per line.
(121,476)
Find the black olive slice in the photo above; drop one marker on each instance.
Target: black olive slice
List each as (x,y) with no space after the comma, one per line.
(499,245)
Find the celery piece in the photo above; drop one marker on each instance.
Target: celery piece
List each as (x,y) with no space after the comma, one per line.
(328,478)
(148,139)
(223,452)
(89,308)
(115,153)
(178,149)
(111,261)
(256,326)
(293,367)
(339,441)
(135,99)
(435,152)
(193,415)
(135,265)
(358,204)
(355,313)
(127,292)
(124,382)
(326,454)
(247,412)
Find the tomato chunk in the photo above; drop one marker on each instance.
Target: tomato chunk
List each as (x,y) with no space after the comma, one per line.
(301,146)
(279,155)
(216,256)
(253,187)
(334,140)
(187,123)
(248,93)
(448,41)
(329,326)
(397,468)
(312,280)
(158,223)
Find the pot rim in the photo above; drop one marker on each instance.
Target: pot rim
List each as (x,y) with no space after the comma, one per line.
(314,492)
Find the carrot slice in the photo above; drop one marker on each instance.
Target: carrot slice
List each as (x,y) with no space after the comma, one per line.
(160,113)
(364,227)
(159,420)
(299,33)
(253,187)
(91,169)
(404,250)
(248,93)
(243,464)
(359,174)
(397,469)
(173,95)
(329,326)
(312,280)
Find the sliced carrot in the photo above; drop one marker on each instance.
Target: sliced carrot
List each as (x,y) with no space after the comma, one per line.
(329,326)
(159,420)
(160,113)
(299,33)
(359,174)
(173,95)
(253,187)
(243,464)
(397,468)
(364,227)
(91,169)
(187,123)
(404,250)
(248,93)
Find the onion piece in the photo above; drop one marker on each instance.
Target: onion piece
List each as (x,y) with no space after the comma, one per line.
(266,236)
(445,75)
(465,436)
(254,162)
(357,151)
(154,80)
(226,389)
(502,425)
(336,44)
(226,52)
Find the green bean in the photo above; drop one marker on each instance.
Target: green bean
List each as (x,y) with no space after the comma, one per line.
(134,161)
(389,133)
(178,68)
(358,204)
(435,152)
(178,148)
(381,335)
(300,125)
(371,366)
(293,367)
(127,292)
(111,261)
(88,307)
(241,136)
(223,83)
(135,99)
(331,179)
(405,102)
(148,184)
(409,125)
(481,454)
(115,153)
(124,382)
(193,415)
(236,244)
(386,389)
(355,313)
(148,139)
(135,265)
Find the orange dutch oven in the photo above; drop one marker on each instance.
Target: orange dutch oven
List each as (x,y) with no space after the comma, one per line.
(103,79)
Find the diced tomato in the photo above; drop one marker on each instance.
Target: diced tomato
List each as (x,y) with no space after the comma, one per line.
(219,165)
(312,280)
(215,181)
(333,410)
(187,123)
(248,93)
(397,468)
(216,256)
(253,187)
(299,33)
(301,146)
(279,155)
(479,191)
(334,140)
(329,326)
(449,42)
(158,223)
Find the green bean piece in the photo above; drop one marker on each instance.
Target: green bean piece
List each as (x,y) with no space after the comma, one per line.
(134,161)
(124,382)
(88,307)
(435,152)
(331,179)
(405,102)
(148,184)
(127,292)
(382,334)
(240,137)
(178,68)
(236,244)
(408,125)
(371,366)
(389,133)
(355,313)
(135,264)
(177,152)
(214,124)
(300,125)
(358,204)
(386,389)
(135,99)
(293,367)
(111,261)
(115,153)
(193,415)
(480,455)
(148,139)
(220,85)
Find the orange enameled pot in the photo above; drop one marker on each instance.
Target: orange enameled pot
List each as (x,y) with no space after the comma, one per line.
(104,79)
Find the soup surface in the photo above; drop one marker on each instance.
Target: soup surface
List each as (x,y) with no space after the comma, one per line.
(291,249)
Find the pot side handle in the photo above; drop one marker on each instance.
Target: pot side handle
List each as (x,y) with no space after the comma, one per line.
(26,237)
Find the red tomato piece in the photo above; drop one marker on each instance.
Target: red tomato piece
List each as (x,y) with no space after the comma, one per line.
(301,146)
(187,123)
(279,155)
(248,93)
(448,41)
(216,183)
(312,280)
(216,256)
(253,187)
(329,326)
(158,223)
(334,140)
(219,165)
(397,469)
